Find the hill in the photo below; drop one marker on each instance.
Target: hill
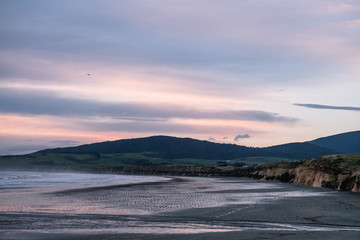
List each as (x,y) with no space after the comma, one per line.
(163,147)
(342,143)
(298,151)
(173,151)
(180,148)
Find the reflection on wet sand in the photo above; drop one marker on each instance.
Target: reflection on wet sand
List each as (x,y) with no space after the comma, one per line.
(158,205)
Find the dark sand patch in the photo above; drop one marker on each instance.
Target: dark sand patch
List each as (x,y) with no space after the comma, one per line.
(117,186)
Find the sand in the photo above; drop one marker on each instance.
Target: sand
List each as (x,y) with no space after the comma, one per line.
(190,208)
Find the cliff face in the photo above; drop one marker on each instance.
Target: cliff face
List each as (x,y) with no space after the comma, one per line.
(332,171)
(335,171)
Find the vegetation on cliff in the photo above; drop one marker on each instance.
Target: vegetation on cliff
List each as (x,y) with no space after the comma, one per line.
(340,172)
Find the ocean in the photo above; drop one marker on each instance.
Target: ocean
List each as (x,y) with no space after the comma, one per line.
(51,205)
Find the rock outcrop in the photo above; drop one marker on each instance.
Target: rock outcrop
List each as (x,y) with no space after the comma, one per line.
(339,172)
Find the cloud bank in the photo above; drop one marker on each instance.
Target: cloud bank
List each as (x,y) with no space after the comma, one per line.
(33,102)
(186,68)
(319,106)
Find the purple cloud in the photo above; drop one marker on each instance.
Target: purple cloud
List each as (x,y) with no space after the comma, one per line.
(241,136)
(319,106)
(35,102)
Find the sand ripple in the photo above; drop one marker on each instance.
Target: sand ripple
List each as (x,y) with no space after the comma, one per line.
(179,206)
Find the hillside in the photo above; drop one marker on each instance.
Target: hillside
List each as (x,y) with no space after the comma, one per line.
(298,151)
(175,148)
(163,147)
(342,143)
(171,151)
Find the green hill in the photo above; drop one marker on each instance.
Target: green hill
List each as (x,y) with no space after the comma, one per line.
(179,148)
(173,151)
(159,150)
(342,143)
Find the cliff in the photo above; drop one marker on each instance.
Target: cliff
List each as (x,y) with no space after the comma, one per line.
(340,172)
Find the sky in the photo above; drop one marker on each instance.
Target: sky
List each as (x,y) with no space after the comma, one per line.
(252,72)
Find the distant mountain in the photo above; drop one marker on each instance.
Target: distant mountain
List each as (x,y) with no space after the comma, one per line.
(179,148)
(342,143)
(164,147)
(298,150)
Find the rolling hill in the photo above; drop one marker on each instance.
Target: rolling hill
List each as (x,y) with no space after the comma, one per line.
(166,150)
(343,143)
(176,148)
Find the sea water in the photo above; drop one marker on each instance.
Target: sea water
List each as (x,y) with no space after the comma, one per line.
(34,191)
(80,203)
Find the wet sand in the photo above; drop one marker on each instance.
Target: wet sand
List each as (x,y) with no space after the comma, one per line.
(210,236)
(191,208)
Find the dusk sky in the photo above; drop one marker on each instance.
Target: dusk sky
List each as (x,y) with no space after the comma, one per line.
(250,72)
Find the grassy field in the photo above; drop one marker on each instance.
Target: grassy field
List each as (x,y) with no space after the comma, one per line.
(85,162)
(352,160)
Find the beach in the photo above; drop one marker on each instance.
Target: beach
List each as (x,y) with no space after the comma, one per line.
(101,206)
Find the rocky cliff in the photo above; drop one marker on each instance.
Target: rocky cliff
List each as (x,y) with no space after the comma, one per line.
(340,172)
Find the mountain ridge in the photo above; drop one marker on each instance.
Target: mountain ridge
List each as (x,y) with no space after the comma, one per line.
(175,147)
(346,142)
(163,150)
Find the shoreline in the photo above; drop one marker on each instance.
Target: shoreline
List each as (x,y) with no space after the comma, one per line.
(191,208)
(333,171)
(235,235)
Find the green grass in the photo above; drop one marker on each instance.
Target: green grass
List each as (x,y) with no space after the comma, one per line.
(249,161)
(352,160)
(68,161)
(194,162)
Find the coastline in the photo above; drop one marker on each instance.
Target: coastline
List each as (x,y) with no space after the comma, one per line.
(333,171)
(185,208)
(275,210)
(236,235)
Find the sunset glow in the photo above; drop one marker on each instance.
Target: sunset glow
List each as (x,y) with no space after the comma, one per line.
(254,73)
